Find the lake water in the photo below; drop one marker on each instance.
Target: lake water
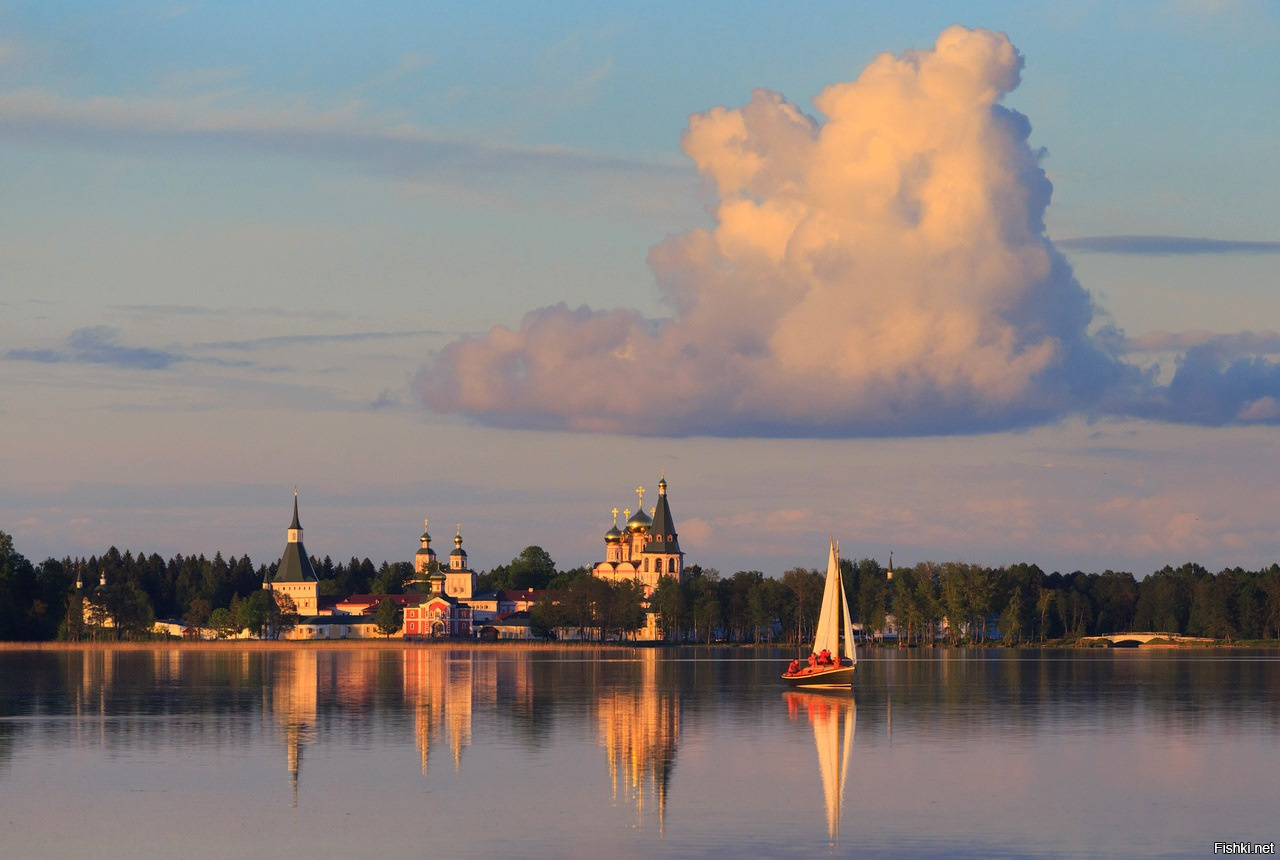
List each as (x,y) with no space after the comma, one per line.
(492,752)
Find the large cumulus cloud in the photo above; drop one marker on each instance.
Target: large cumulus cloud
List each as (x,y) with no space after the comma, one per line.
(883,269)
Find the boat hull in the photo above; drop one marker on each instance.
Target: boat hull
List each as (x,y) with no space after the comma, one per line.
(832,676)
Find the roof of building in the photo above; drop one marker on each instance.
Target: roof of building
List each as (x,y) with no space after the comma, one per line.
(336,620)
(662,534)
(428,599)
(529,594)
(295,564)
(367,604)
(511,619)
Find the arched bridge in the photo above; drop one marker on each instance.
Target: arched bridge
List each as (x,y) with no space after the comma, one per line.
(1135,640)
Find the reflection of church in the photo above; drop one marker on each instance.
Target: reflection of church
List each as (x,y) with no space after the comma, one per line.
(439,690)
(442,691)
(294,692)
(639,728)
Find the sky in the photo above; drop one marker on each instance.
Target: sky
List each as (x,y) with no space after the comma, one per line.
(986,282)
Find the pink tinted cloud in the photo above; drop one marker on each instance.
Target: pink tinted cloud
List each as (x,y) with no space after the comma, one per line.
(882,270)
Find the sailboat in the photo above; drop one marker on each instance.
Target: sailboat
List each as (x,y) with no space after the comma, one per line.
(834,718)
(833,659)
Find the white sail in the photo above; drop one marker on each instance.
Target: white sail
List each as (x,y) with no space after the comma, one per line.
(849,651)
(829,619)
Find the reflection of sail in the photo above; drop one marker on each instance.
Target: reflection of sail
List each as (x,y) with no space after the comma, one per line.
(293,704)
(834,719)
(640,727)
(440,691)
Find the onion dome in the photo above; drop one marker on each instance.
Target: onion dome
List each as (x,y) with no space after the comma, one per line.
(426,541)
(639,522)
(614,534)
(458,551)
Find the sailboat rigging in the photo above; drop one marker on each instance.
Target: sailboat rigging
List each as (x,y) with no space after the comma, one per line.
(834,656)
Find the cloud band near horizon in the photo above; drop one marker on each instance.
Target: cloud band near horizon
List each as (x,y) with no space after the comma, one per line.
(1165,245)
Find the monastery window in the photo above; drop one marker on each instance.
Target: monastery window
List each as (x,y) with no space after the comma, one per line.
(671,565)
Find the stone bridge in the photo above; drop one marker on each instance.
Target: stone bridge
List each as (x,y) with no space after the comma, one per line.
(1137,640)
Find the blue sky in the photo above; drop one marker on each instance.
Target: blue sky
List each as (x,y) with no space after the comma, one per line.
(243,249)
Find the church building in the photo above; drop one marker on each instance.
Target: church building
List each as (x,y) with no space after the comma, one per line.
(458,580)
(443,609)
(294,575)
(646,549)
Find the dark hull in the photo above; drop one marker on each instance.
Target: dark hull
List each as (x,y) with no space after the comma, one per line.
(834,676)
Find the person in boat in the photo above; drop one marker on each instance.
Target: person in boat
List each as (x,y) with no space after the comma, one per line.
(824,659)
(813,660)
(794,667)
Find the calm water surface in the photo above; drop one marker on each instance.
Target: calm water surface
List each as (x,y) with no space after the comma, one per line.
(437,752)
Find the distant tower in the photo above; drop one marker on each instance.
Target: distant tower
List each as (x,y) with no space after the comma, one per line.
(294,575)
(460,579)
(662,548)
(890,565)
(424,561)
(613,541)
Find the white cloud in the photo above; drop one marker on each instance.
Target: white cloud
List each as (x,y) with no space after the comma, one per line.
(883,270)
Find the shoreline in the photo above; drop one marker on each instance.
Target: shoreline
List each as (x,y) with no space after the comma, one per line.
(532,645)
(302,644)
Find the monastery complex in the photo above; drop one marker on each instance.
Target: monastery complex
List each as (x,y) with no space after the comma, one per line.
(445,603)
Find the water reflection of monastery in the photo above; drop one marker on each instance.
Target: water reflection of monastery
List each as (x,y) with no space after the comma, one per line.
(294,691)
(637,716)
(639,727)
(441,693)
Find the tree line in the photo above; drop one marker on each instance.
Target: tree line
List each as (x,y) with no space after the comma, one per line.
(969,604)
(957,602)
(41,601)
